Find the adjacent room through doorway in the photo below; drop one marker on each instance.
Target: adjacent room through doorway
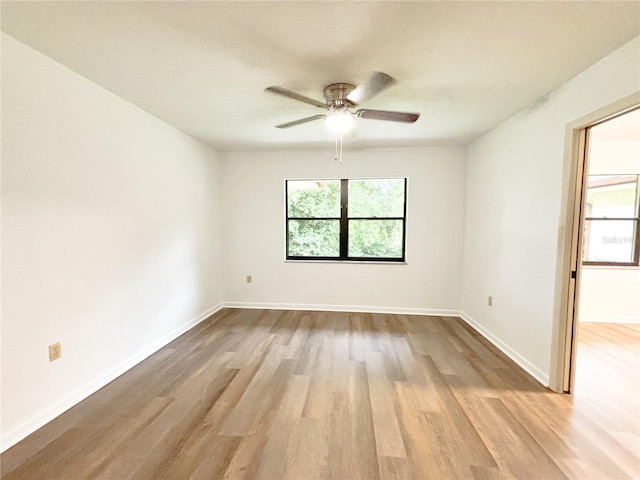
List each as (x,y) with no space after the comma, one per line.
(607,369)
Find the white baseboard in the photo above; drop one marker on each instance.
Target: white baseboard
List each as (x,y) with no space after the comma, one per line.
(42,418)
(610,318)
(525,364)
(345,308)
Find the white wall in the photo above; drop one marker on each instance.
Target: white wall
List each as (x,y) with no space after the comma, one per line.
(610,294)
(514,188)
(254,232)
(110,243)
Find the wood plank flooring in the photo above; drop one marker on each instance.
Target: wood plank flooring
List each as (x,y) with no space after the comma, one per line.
(265,394)
(608,378)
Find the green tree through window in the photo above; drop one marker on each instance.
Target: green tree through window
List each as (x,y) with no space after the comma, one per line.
(346,219)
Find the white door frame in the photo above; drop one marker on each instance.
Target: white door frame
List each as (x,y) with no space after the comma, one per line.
(568,266)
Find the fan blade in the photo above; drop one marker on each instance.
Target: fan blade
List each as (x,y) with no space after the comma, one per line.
(376,83)
(296,96)
(301,121)
(389,116)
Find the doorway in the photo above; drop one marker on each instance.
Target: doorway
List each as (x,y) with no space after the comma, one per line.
(608,348)
(602,336)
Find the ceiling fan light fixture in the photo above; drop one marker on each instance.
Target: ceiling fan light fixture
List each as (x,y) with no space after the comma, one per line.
(339,122)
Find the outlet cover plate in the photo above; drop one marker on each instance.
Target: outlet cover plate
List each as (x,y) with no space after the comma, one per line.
(55,351)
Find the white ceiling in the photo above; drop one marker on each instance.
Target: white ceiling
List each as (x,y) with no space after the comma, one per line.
(203,66)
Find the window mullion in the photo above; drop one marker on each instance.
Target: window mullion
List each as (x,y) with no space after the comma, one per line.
(344,218)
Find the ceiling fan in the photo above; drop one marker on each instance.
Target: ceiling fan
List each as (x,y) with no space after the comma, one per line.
(340,98)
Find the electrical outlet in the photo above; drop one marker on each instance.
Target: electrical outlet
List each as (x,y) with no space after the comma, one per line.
(55,351)
(490,301)
(249,279)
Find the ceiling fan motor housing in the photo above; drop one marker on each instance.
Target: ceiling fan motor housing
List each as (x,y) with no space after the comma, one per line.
(336,94)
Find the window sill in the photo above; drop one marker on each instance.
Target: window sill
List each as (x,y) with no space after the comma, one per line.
(610,267)
(350,262)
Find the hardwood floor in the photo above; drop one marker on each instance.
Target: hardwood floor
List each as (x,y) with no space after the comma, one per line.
(608,378)
(261,394)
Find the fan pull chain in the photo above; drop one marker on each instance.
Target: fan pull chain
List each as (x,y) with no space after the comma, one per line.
(338,156)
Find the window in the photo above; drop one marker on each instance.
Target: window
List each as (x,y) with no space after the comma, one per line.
(611,220)
(357,220)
